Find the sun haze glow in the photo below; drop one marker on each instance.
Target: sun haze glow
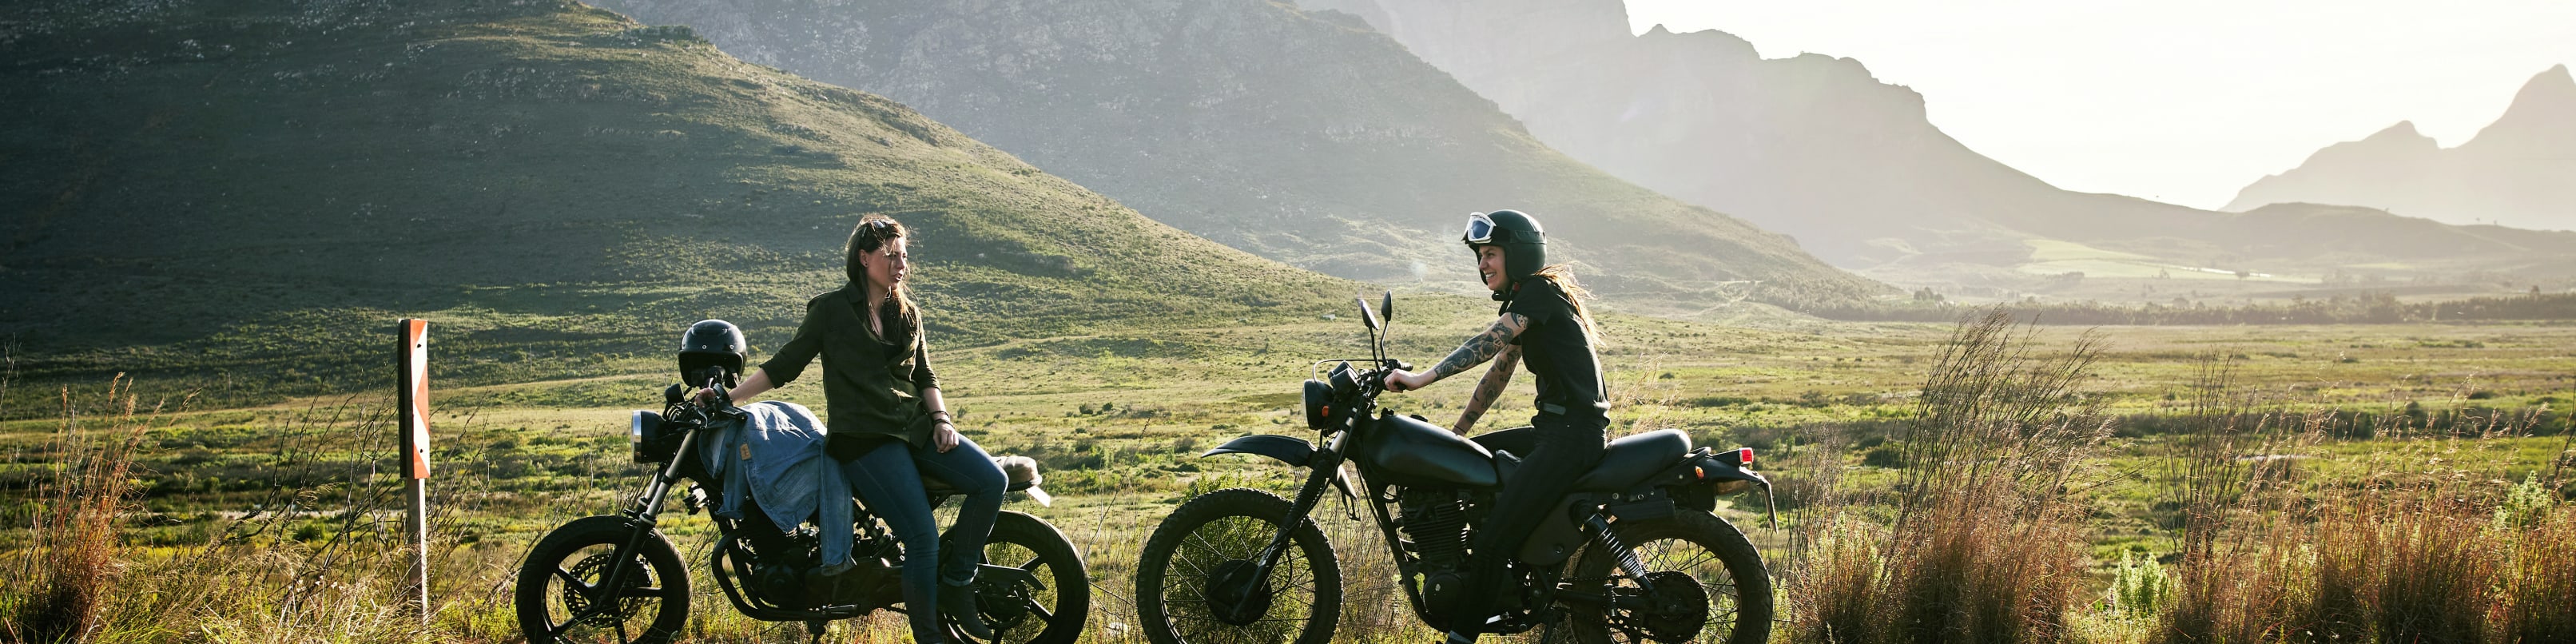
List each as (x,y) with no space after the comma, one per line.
(2182,101)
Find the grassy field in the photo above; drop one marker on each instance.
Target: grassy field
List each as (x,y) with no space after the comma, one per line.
(1119,418)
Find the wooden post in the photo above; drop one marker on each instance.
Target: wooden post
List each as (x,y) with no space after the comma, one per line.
(413,350)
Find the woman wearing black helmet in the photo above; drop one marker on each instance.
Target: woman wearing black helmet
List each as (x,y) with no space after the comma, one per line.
(889,425)
(1543,322)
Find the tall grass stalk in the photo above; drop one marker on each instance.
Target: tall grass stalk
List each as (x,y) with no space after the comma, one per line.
(1987,537)
(61,581)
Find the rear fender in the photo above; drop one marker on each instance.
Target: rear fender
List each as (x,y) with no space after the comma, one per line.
(1703,468)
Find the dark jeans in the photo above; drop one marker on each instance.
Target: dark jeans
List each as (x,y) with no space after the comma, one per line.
(888,477)
(1554,450)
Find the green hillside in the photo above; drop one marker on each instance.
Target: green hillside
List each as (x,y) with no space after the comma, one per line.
(245,195)
(1306,138)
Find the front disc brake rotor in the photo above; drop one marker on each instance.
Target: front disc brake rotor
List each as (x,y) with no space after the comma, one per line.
(1235,593)
(593,569)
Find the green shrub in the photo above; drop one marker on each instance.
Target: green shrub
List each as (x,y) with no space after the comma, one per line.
(2140,586)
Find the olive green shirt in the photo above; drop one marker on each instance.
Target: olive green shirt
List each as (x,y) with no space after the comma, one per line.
(873,387)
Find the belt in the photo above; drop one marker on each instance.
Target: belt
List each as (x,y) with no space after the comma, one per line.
(1561,410)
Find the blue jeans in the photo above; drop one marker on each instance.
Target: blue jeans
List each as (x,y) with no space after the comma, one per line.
(888,477)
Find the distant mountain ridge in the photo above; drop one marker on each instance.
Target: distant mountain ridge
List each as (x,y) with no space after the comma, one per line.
(1813,146)
(1306,138)
(254,190)
(2518,171)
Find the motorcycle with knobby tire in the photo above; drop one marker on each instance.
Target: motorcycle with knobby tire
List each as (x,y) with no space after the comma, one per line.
(618,578)
(1633,553)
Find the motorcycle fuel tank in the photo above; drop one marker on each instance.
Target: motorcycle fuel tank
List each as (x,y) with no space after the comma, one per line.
(1407,451)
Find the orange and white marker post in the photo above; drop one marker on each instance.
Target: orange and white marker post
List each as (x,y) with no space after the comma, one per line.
(413,350)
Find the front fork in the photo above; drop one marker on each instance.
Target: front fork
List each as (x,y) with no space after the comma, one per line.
(647,507)
(1325,466)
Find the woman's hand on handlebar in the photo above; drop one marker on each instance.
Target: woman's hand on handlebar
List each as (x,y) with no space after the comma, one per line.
(1401,380)
(757,384)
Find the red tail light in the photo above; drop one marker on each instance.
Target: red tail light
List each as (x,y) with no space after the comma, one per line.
(1744,455)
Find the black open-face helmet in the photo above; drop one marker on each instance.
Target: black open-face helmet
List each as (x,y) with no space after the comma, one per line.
(1524,244)
(712,351)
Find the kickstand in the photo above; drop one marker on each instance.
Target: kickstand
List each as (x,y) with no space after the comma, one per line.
(814,627)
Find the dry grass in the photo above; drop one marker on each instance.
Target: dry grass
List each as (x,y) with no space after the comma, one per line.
(1987,538)
(2539,583)
(66,572)
(2415,552)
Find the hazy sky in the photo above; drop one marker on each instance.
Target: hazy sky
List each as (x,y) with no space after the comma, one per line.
(2183,101)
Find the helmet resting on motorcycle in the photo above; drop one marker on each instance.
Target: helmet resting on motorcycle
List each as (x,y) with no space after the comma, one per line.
(1524,244)
(708,346)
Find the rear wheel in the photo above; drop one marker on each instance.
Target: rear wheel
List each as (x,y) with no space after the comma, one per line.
(1197,581)
(1051,612)
(1709,586)
(563,593)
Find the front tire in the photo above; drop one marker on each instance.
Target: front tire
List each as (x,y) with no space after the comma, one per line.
(558,586)
(1214,538)
(1021,614)
(1720,593)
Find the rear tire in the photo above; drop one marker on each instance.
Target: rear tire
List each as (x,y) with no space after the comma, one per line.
(1734,604)
(1020,614)
(555,585)
(1217,534)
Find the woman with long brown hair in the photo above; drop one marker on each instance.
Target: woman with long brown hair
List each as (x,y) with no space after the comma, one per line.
(889,425)
(1542,322)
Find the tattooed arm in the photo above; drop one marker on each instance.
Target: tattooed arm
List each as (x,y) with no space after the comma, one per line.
(1489,389)
(1475,351)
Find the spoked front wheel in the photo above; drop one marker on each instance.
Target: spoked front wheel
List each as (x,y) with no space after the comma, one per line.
(1708,586)
(564,593)
(1198,580)
(1051,612)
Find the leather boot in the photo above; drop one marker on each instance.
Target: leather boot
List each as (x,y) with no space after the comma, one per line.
(958,604)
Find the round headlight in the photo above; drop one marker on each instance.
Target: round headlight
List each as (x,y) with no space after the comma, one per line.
(644,431)
(1319,401)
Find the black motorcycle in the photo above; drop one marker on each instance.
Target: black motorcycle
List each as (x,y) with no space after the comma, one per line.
(616,578)
(1649,562)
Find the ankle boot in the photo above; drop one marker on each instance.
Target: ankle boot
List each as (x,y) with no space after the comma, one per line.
(958,604)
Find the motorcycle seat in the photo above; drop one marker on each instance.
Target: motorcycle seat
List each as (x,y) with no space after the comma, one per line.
(1630,459)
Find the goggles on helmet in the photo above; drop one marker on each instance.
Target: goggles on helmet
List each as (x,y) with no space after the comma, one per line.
(1481,231)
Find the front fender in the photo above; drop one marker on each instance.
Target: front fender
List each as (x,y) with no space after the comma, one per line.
(1288,449)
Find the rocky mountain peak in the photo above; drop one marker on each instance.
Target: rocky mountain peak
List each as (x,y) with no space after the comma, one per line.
(2554,89)
(2540,123)
(2513,173)
(2402,130)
